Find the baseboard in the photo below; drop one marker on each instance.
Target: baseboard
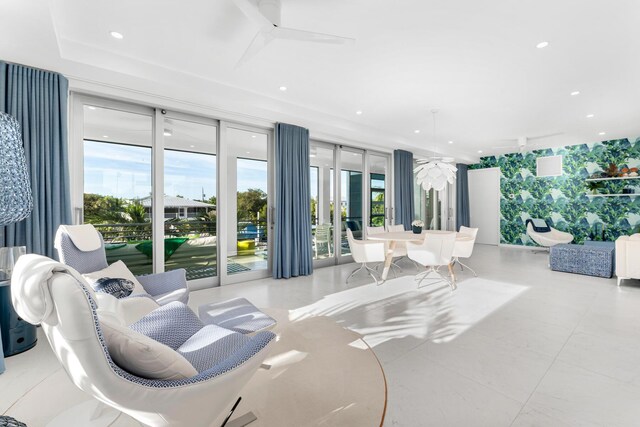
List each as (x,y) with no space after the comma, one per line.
(522,247)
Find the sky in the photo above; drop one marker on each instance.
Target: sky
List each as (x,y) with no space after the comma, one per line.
(125,171)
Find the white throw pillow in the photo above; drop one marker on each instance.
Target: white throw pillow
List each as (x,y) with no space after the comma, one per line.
(117,270)
(142,356)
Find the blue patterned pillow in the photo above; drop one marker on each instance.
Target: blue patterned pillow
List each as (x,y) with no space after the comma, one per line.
(119,288)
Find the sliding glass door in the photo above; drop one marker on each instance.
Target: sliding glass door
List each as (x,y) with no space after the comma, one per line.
(247,187)
(190,202)
(378,188)
(322,160)
(351,197)
(117,185)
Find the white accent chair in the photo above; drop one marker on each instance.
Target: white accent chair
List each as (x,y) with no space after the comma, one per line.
(628,257)
(464,248)
(434,252)
(81,247)
(74,321)
(364,251)
(550,238)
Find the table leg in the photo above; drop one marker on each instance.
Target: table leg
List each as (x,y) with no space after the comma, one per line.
(388,259)
(453,277)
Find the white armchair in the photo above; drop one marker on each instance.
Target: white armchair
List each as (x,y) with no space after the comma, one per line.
(628,257)
(434,252)
(464,247)
(364,251)
(550,238)
(194,387)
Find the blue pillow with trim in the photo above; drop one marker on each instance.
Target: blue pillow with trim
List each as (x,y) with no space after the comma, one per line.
(539,225)
(118,287)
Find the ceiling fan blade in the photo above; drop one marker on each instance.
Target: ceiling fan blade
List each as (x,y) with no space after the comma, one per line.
(545,136)
(257,44)
(253,13)
(309,36)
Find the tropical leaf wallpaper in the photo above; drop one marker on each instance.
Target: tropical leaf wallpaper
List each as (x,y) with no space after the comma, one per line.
(563,200)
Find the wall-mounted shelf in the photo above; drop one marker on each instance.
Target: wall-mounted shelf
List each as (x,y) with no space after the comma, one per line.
(613,178)
(613,195)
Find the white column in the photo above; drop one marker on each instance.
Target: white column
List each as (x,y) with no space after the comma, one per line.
(324,195)
(232,203)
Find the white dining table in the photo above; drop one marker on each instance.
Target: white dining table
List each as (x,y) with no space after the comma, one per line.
(393,237)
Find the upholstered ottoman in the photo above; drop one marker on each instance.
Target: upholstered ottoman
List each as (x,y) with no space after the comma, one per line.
(237,314)
(589,259)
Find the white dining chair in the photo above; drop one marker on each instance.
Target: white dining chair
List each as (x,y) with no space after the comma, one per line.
(464,248)
(400,251)
(434,252)
(374,230)
(364,251)
(322,237)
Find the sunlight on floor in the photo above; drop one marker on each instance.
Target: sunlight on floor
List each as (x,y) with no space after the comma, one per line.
(397,309)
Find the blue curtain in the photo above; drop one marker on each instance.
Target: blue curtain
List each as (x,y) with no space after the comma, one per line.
(292,235)
(403,188)
(38,100)
(462,196)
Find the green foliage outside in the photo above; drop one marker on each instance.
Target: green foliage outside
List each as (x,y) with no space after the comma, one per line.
(250,203)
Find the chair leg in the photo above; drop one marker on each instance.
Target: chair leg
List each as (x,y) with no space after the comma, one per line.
(372,272)
(620,281)
(426,273)
(362,267)
(465,265)
(451,281)
(242,421)
(368,269)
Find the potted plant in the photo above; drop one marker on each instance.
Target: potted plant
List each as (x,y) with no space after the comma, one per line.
(595,186)
(416,226)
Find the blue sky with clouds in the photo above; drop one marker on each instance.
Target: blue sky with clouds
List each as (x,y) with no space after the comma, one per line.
(125,171)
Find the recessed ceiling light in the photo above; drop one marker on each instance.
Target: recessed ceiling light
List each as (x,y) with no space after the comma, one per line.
(253,136)
(105,136)
(192,146)
(358,112)
(450,142)
(354,154)
(575,93)
(116,35)
(416,131)
(479,151)
(283,88)
(542,45)
(312,155)
(91,107)
(602,133)
(167,132)
(589,116)
(248,152)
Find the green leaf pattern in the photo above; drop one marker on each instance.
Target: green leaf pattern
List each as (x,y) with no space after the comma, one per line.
(562,200)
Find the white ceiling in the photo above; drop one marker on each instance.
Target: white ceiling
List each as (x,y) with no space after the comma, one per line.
(475,61)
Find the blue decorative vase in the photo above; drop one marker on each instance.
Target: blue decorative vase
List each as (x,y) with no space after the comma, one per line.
(416,229)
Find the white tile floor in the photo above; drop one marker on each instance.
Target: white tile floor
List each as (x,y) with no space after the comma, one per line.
(519,346)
